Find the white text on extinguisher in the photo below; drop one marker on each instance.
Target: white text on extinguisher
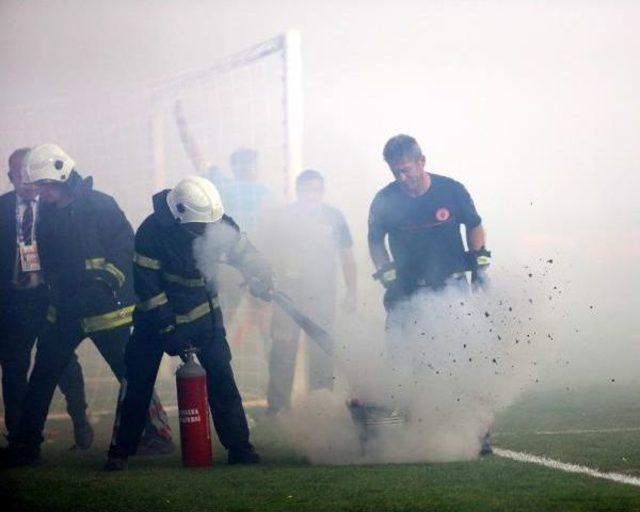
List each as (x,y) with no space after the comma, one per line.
(189,416)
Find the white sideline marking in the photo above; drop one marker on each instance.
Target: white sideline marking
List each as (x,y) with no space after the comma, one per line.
(575,431)
(566,467)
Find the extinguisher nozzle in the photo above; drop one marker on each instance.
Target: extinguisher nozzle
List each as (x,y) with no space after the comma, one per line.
(188,353)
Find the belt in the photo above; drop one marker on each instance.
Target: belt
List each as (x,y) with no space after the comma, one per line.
(420,283)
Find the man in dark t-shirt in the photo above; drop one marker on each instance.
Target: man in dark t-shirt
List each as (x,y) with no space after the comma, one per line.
(421,213)
(317,239)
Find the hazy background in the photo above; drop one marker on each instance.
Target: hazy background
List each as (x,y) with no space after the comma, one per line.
(534,105)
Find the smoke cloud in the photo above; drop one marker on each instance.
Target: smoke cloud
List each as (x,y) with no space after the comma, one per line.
(447,363)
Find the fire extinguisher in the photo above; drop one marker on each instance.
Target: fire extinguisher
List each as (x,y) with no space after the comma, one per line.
(193,412)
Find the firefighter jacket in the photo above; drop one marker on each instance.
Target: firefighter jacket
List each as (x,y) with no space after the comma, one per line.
(86,253)
(172,291)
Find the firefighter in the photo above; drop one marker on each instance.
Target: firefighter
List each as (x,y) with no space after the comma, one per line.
(178,308)
(23,307)
(420,214)
(86,248)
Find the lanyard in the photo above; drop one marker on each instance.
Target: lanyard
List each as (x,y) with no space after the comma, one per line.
(21,207)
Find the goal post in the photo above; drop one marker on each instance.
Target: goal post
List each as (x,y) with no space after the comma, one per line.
(203,92)
(293,106)
(250,101)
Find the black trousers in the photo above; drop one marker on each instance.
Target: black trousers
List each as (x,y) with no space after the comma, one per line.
(22,314)
(55,349)
(143,357)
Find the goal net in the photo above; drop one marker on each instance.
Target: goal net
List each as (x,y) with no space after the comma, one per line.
(237,122)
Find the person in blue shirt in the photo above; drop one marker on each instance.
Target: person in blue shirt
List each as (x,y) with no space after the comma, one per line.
(244,195)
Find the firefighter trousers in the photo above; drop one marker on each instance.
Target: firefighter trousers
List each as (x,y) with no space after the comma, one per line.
(143,358)
(23,319)
(55,349)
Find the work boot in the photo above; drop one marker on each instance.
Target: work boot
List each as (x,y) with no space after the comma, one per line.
(18,455)
(116,464)
(485,447)
(155,444)
(82,435)
(246,455)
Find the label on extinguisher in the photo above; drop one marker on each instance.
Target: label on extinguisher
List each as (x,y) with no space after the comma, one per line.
(190,416)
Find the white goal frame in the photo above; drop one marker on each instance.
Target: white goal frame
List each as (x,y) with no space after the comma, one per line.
(288,46)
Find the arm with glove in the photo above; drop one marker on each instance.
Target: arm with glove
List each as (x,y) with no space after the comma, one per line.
(113,264)
(107,262)
(385,269)
(478,257)
(255,268)
(387,276)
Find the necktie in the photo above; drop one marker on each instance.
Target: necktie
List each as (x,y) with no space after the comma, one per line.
(27,224)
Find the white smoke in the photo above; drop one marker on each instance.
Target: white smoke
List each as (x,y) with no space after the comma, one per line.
(208,251)
(446,363)
(457,360)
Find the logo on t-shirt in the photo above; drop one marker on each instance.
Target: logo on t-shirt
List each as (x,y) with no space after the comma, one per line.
(443,214)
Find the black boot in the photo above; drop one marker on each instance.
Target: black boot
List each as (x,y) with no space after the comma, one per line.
(19,454)
(116,463)
(245,455)
(82,434)
(485,446)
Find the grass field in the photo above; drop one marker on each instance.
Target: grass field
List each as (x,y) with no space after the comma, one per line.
(594,427)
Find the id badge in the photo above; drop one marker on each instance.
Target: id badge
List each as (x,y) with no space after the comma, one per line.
(29,258)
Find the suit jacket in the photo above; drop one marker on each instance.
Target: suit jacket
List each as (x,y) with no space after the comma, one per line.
(7,240)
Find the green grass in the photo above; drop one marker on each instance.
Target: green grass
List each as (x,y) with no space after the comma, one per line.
(285,481)
(528,426)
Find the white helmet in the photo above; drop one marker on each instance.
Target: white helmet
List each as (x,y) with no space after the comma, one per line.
(47,162)
(195,199)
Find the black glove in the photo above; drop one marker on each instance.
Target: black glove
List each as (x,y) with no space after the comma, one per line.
(260,279)
(262,288)
(388,278)
(392,295)
(174,343)
(386,274)
(479,262)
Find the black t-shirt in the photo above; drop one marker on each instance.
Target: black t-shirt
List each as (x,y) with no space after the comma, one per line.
(424,232)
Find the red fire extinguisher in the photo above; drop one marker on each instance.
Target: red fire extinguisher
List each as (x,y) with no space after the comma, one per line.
(193,413)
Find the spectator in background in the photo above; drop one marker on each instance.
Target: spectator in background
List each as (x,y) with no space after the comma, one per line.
(244,195)
(308,240)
